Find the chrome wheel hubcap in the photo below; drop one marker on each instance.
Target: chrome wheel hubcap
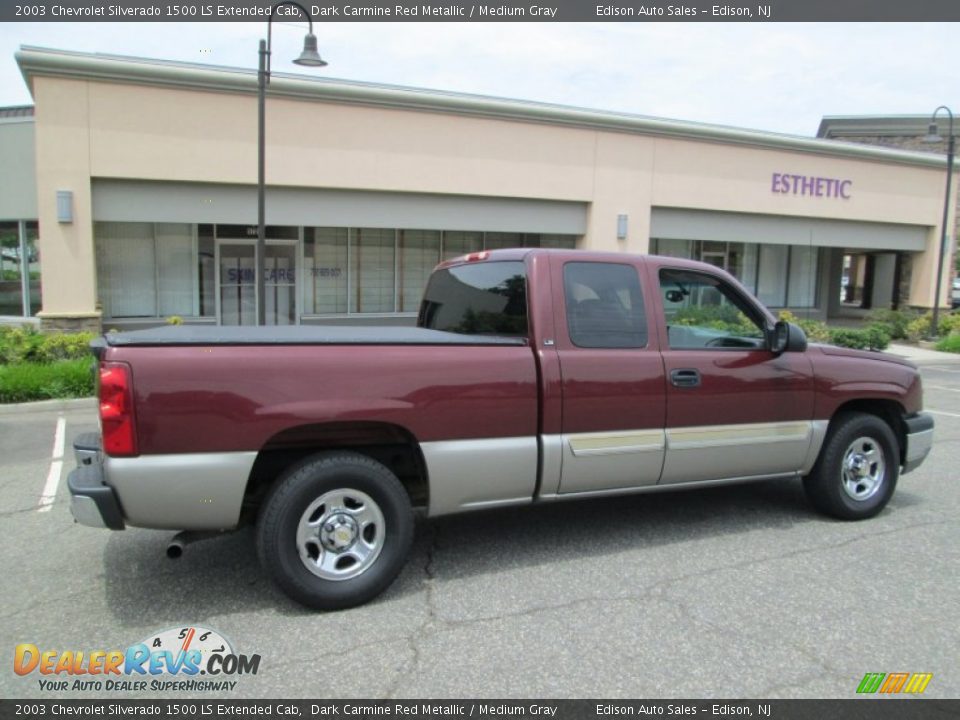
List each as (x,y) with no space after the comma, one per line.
(340,534)
(864,469)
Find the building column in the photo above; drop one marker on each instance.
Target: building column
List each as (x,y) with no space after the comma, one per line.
(68,277)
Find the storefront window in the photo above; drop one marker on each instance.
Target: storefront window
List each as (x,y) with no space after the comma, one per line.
(148,270)
(772,275)
(176,270)
(779,275)
(19,253)
(803,276)
(672,248)
(206,271)
(419,254)
(11,276)
(373,271)
(126,269)
(562,242)
(325,271)
(499,241)
(456,243)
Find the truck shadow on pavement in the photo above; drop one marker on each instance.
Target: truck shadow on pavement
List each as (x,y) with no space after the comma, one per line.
(221,575)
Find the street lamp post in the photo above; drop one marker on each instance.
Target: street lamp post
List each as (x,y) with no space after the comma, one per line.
(309,58)
(933,136)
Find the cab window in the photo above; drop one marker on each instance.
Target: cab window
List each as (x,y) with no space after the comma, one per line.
(604,305)
(703,312)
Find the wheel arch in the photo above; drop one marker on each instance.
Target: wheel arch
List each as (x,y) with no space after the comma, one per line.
(392,445)
(890,411)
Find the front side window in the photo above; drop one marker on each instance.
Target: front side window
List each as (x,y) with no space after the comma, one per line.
(488,298)
(703,312)
(604,305)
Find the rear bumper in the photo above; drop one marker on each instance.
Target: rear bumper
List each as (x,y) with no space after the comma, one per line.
(92,501)
(918,441)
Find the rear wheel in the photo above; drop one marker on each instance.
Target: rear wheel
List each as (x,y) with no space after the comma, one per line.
(856,473)
(335,530)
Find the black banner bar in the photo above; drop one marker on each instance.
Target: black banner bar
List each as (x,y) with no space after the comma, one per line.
(492,11)
(190,709)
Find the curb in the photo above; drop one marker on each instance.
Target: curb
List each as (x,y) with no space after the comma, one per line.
(921,354)
(87,403)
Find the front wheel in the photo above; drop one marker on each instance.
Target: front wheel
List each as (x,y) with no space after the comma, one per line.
(335,530)
(856,473)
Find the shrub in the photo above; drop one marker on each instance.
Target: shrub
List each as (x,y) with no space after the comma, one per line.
(719,317)
(26,344)
(174,320)
(815,330)
(36,381)
(65,347)
(951,343)
(895,321)
(919,328)
(19,344)
(878,336)
(872,337)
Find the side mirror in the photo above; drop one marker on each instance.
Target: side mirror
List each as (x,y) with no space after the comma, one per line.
(778,337)
(786,337)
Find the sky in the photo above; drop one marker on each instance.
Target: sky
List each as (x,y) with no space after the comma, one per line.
(778,77)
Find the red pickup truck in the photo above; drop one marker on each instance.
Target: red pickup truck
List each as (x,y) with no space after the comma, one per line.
(533,376)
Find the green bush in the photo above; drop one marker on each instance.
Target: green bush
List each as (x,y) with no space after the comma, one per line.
(815,330)
(951,343)
(872,337)
(19,344)
(896,322)
(75,346)
(919,328)
(878,337)
(26,344)
(23,382)
(718,317)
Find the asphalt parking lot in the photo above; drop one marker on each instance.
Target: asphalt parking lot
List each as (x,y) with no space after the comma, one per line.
(736,591)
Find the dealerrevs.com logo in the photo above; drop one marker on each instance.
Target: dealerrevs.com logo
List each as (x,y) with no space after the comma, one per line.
(894,683)
(184,659)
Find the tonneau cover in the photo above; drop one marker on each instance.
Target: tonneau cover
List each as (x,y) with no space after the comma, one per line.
(300,335)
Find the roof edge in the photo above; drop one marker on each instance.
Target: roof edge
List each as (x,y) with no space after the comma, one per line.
(38,62)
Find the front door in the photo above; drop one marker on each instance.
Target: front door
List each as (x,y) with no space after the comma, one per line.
(734,409)
(237,283)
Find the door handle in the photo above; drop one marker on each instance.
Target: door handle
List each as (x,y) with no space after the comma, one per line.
(685,377)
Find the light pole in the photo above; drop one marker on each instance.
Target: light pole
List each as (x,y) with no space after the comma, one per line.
(933,136)
(309,58)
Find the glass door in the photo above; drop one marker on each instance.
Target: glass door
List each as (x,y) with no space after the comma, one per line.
(236,280)
(237,283)
(280,268)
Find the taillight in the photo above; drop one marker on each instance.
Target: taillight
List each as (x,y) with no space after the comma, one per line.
(478,256)
(116,410)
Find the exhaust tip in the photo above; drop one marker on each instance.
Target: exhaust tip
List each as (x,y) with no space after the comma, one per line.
(174,550)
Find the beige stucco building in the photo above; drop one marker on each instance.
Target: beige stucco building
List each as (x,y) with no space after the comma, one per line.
(154,164)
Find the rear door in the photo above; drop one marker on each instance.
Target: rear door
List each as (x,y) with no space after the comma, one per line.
(613,408)
(734,409)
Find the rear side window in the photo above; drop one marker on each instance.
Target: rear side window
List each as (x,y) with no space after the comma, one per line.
(487,298)
(604,305)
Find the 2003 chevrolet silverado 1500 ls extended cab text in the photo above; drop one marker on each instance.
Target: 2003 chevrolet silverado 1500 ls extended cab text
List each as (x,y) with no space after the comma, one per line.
(534,375)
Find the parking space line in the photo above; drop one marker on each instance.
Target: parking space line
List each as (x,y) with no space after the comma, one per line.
(941,412)
(941,387)
(49,493)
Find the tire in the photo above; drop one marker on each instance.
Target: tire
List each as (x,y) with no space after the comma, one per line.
(335,530)
(857,471)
